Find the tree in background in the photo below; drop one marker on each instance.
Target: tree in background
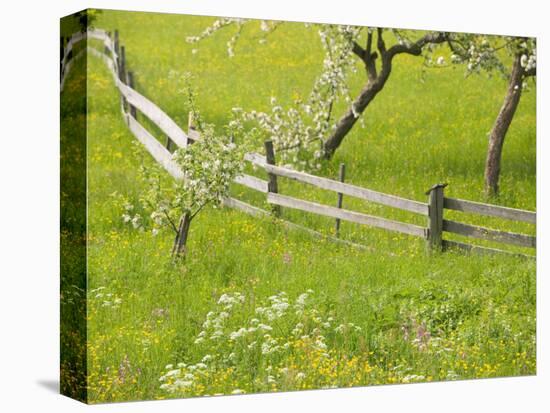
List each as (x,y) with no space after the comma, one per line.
(307,131)
(492,53)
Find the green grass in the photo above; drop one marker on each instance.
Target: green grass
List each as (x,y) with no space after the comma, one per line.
(423,128)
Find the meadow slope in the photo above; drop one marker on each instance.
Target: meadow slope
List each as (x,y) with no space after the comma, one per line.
(390,315)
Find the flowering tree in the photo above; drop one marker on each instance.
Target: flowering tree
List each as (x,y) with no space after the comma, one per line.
(209,165)
(490,53)
(308,131)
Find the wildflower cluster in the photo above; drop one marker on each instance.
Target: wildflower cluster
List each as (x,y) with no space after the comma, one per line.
(280,340)
(131,217)
(72,294)
(100,297)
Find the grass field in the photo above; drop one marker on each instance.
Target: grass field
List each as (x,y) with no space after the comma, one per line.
(288,311)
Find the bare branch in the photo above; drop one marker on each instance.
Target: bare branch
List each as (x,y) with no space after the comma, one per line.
(359,51)
(199,209)
(172,224)
(368,49)
(367,56)
(370,58)
(380,42)
(415,48)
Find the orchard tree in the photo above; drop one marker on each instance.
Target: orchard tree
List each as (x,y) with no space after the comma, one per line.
(209,165)
(309,131)
(492,53)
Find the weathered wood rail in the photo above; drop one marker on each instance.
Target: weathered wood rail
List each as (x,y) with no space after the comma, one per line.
(132,102)
(346,215)
(490,210)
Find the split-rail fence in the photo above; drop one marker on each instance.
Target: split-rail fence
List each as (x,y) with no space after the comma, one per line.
(132,102)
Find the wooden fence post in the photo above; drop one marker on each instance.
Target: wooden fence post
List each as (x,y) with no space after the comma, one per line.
(435,217)
(122,68)
(106,49)
(130,76)
(122,73)
(272,185)
(117,49)
(342,177)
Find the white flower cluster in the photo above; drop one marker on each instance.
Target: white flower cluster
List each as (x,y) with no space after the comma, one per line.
(229,335)
(209,166)
(98,296)
(481,55)
(299,131)
(132,218)
(481,52)
(265,26)
(72,294)
(213,28)
(529,61)
(347,327)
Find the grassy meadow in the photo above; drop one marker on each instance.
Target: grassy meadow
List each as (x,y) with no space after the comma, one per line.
(287,311)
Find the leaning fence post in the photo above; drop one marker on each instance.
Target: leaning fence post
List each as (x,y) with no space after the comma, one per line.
(130,76)
(342,177)
(272,185)
(434,235)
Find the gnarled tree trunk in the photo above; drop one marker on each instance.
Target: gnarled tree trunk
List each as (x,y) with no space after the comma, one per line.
(346,122)
(376,80)
(500,127)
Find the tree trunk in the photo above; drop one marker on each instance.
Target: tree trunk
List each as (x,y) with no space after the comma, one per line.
(181,237)
(500,127)
(346,122)
(376,81)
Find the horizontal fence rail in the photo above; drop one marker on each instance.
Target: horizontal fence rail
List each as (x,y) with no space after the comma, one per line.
(489,234)
(155,114)
(433,209)
(478,249)
(134,98)
(346,215)
(68,48)
(252,182)
(346,189)
(68,66)
(154,147)
(490,210)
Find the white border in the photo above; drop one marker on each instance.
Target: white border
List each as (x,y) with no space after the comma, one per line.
(29,216)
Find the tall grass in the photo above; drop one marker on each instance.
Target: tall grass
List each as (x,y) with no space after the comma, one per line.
(418,318)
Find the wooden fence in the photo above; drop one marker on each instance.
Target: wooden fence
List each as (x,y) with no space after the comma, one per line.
(132,103)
